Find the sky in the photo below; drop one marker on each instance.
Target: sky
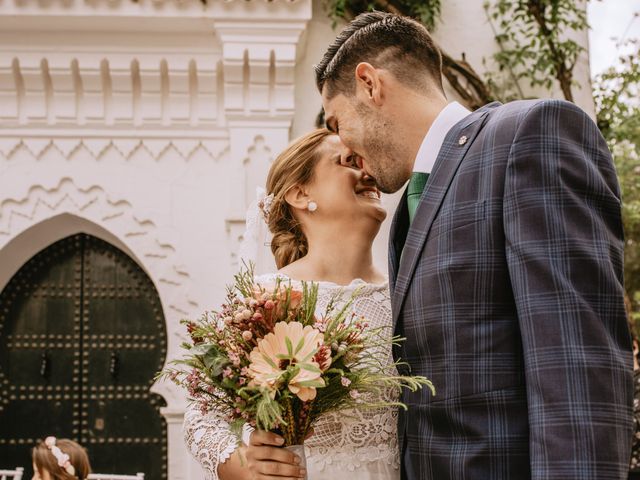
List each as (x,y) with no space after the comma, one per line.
(610,19)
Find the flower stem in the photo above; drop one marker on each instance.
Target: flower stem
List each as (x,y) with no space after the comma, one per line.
(307,408)
(290,430)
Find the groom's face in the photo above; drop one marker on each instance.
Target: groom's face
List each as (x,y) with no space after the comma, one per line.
(363,129)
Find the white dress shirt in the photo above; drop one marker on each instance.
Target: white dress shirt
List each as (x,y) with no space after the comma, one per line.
(428,152)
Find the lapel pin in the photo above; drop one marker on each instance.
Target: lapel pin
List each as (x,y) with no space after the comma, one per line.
(462,140)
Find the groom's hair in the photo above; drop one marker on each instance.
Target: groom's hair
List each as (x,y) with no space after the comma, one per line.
(393,42)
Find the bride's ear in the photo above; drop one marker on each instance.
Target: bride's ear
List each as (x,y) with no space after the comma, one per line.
(297,197)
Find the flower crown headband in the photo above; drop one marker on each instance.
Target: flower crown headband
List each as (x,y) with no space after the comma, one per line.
(264,204)
(61,457)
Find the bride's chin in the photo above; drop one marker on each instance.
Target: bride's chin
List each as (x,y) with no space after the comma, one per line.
(377,211)
(375,216)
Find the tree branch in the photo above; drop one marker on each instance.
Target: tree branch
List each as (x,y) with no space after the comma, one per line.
(564,75)
(474,91)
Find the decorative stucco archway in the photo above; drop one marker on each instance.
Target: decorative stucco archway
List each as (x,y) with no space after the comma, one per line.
(43,216)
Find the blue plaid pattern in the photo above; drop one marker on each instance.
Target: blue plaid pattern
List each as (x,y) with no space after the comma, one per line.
(510,295)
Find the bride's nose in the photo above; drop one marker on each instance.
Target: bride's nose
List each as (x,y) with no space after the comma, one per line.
(350,159)
(358,161)
(366,179)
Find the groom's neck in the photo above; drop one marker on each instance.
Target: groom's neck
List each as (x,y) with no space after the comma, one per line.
(422,110)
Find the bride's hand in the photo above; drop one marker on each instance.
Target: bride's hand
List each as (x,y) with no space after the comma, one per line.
(266,459)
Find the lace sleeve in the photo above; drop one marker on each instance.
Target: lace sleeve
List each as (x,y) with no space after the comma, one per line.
(209,440)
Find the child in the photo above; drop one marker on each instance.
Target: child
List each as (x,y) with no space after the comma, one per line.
(59,460)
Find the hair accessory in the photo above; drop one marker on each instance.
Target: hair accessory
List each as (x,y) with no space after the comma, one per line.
(312,206)
(264,204)
(61,457)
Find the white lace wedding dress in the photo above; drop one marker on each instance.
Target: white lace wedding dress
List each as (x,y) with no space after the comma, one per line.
(347,445)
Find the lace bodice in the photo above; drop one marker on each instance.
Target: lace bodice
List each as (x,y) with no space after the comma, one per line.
(343,442)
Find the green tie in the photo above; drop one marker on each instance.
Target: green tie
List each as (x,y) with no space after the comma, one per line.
(414,192)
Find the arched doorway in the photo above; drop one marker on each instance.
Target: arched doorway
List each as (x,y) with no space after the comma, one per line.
(82,335)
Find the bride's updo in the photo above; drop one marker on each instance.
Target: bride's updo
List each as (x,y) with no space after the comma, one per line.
(294,166)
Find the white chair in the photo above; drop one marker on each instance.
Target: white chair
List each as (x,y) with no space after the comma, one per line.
(12,474)
(108,476)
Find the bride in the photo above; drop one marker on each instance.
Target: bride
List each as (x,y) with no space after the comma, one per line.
(324,217)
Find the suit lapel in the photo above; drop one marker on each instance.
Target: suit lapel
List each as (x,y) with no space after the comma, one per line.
(449,158)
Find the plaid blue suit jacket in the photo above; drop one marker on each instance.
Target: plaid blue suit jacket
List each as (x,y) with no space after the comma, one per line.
(509,289)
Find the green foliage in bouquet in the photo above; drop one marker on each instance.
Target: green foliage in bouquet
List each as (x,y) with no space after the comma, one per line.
(267,359)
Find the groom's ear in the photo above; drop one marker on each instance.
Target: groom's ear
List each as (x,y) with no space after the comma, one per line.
(297,197)
(368,83)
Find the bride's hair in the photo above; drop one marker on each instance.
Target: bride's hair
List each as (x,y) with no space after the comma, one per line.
(294,166)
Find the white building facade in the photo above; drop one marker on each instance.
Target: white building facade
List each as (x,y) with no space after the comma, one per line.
(149,124)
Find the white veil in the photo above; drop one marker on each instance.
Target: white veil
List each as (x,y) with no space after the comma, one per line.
(255,247)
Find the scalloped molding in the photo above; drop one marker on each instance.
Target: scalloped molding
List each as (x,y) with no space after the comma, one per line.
(158,256)
(126,147)
(116,216)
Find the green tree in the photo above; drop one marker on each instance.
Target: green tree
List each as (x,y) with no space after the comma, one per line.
(535,41)
(617,96)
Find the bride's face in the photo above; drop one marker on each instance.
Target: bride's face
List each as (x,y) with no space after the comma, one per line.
(344,193)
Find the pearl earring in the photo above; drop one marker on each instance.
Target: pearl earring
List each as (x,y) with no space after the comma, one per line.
(312,206)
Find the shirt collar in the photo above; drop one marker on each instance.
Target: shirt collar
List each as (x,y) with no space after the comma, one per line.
(432,142)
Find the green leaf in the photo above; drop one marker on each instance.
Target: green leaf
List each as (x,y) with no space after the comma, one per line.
(319,383)
(287,341)
(300,345)
(269,361)
(310,367)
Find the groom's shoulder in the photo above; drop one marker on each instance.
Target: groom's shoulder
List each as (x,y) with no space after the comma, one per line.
(503,122)
(517,111)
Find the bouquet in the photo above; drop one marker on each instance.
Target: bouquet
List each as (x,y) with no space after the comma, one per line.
(266,359)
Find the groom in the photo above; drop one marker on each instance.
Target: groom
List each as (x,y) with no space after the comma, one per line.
(505,265)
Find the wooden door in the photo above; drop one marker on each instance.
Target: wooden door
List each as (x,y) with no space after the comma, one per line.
(82,335)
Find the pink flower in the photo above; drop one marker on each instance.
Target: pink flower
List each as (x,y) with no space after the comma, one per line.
(289,344)
(355,394)
(320,324)
(323,357)
(345,382)
(235,359)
